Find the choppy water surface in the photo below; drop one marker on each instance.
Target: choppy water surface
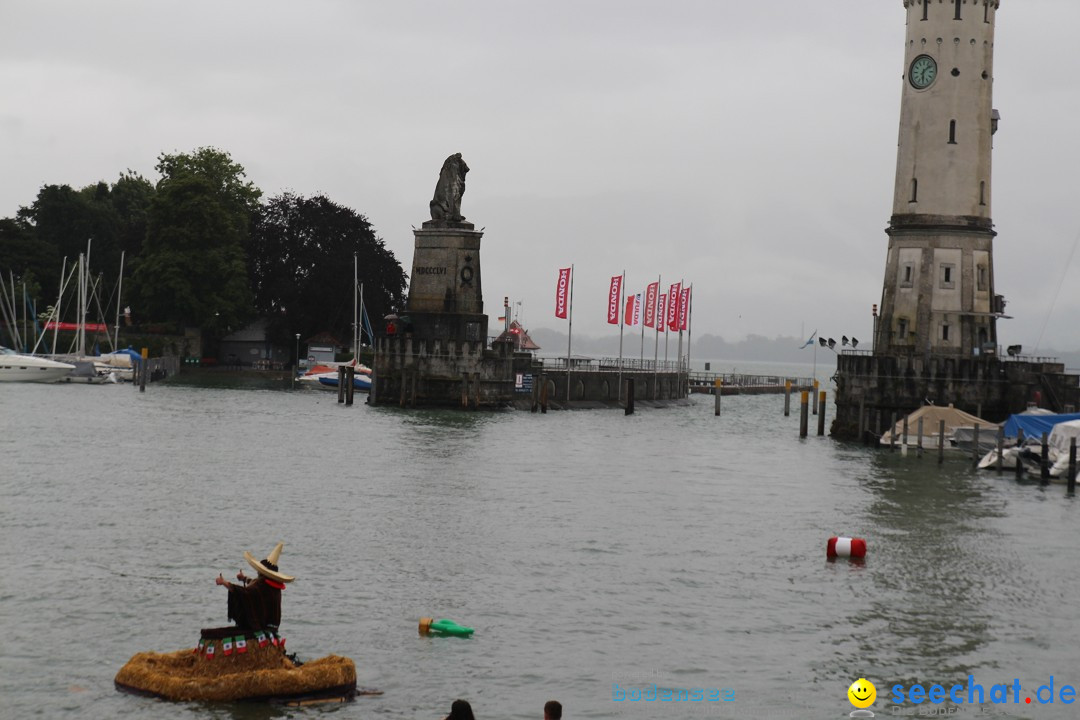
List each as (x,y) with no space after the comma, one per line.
(586,548)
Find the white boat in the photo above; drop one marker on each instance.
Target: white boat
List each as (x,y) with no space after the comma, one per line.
(326,377)
(1030,455)
(30,368)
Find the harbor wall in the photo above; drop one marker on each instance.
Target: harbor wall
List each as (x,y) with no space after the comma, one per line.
(871,388)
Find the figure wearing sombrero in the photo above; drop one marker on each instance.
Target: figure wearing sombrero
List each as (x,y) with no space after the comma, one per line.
(256,605)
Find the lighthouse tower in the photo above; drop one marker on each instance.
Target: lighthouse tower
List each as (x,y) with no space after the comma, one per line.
(938,295)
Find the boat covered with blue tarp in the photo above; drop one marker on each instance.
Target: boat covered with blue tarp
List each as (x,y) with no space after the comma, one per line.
(1035,425)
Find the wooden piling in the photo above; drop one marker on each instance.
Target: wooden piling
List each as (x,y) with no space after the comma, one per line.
(941,442)
(804,412)
(918,443)
(975,446)
(341,383)
(813,396)
(821,414)
(144,369)
(1000,450)
(904,437)
(1044,461)
(787,398)
(630,396)
(892,434)
(1071,480)
(718,387)
(1019,452)
(543,394)
(350,374)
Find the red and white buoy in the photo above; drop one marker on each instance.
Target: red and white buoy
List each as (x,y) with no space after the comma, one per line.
(845,547)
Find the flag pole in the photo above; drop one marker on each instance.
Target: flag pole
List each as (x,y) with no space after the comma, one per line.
(679,328)
(689,331)
(656,341)
(622,319)
(570,332)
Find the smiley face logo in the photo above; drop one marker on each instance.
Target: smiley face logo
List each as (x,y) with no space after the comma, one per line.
(862,693)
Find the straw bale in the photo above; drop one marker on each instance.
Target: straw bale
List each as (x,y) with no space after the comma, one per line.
(260,673)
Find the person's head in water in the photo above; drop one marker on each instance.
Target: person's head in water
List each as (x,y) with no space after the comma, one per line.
(461,710)
(552,710)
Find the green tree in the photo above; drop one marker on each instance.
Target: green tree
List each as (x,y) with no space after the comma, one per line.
(130,197)
(63,223)
(192,269)
(22,254)
(301,264)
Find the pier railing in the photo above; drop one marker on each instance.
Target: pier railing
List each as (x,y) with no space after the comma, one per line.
(740,382)
(610,364)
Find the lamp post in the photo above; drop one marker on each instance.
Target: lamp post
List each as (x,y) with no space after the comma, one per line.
(296,369)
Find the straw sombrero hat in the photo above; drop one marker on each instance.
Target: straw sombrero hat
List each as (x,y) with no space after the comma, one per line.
(268,567)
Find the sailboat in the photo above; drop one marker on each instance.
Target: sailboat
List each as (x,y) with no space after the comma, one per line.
(93,369)
(326,376)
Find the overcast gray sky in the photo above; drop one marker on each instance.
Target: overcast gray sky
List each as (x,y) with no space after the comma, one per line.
(748,147)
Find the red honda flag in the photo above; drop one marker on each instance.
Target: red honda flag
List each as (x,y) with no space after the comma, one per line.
(684,307)
(661,305)
(650,304)
(673,307)
(560,292)
(614,292)
(633,310)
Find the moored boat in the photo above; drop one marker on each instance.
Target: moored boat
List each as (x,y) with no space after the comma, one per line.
(31,368)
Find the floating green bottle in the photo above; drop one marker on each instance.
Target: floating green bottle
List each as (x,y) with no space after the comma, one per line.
(443,628)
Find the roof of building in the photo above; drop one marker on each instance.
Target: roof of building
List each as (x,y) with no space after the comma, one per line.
(519,336)
(324,338)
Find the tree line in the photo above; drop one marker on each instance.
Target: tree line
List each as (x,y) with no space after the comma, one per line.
(202,249)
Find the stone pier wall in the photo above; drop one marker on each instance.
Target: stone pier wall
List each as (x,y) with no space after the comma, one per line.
(871,388)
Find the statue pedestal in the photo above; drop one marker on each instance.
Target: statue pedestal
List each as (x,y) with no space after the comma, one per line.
(446,270)
(439,356)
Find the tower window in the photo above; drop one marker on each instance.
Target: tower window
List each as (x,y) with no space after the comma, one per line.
(914,190)
(948,281)
(944,332)
(907,274)
(952,132)
(925,9)
(982,192)
(901,329)
(981,279)
(958,3)
(986,12)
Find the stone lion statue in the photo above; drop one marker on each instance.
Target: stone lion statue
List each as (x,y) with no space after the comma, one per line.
(446,205)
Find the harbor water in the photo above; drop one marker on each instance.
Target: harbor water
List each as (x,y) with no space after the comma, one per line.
(592,552)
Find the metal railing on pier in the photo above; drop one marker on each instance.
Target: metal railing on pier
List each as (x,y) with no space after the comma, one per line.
(735,383)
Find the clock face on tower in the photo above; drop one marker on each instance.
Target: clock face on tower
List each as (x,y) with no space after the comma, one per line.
(923,71)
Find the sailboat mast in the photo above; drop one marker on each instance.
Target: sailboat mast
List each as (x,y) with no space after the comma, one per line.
(80,308)
(119,293)
(355,326)
(59,300)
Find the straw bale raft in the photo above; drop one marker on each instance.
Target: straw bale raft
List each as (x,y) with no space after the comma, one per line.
(259,672)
